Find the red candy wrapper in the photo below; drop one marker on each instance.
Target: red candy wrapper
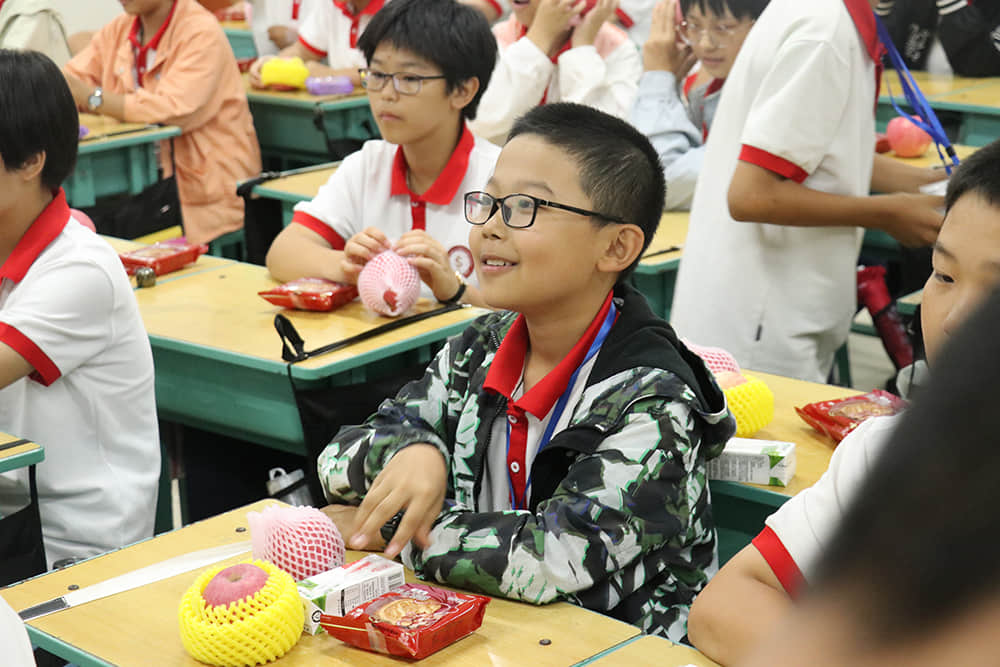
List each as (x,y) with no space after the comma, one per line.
(411,621)
(839,417)
(311,294)
(163,256)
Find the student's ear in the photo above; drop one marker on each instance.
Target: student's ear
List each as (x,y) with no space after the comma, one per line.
(462,94)
(620,245)
(32,167)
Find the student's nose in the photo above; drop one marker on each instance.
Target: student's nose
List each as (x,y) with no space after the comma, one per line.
(494,226)
(389,91)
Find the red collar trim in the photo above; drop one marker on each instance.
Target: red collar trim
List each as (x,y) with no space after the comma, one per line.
(864,20)
(370,10)
(714,86)
(140,50)
(46,227)
(444,188)
(508,365)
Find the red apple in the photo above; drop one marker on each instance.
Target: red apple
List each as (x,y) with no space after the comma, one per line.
(234,583)
(906,139)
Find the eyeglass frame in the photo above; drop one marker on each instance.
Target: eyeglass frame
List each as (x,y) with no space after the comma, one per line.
(538,201)
(364,73)
(713,32)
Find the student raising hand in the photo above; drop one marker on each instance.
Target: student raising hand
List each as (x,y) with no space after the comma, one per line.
(663,51)
(551,23)
(585,33)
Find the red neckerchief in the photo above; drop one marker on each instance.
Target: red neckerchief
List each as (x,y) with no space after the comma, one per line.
(370,10)
(555,59)
(864,21)
(140,51)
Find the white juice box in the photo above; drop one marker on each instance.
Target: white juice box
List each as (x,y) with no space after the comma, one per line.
(756,461)
(341,589)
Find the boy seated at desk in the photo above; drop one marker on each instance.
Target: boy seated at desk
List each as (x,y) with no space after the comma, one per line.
(754,588)
(405,191)
(275,23)
(329,31)
(555,450)
(76,369)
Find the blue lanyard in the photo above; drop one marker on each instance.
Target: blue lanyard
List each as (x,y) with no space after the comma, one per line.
(560,406)
(928,120)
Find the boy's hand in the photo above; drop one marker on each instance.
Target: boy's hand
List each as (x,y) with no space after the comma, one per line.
(914,220)
(662,50)
(415,479)
(585,33)
(362,247)
(282,35)
(343,518)
(430,259)
(79,90)
(550,26)
(255,71)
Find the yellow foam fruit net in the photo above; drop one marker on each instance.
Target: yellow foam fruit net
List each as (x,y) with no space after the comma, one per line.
(291,72)
(752,403)
(255,630)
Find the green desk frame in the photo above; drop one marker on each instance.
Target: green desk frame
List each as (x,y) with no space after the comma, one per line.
(22,460)
(241,42)
(288,199)
(656,280)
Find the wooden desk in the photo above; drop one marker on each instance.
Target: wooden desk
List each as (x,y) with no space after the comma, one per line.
(132,627)
(115,158)
(289,123)
(295,186)
(17,453)
(240,39)
(975,102)
(202,264)
(649,650)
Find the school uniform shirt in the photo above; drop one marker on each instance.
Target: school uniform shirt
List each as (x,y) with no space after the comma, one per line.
(190,80)
(604,76)
(799,101)
(331,31)
(14,638)
(795,536)
(267,13)
(370,189)
(677,127)
(66,306)
(34,25)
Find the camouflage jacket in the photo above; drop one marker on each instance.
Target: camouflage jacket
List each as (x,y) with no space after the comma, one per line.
(619,517)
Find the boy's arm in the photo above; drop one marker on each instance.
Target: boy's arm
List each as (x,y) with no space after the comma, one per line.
(13,366)
(757,194)
(892,175)
(971,43)
(741,604)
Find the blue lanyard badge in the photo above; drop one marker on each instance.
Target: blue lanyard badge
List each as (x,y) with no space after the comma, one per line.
(927,120)
(560,405)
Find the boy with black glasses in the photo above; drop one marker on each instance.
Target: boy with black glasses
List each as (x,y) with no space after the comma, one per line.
(554,451)
(405,191)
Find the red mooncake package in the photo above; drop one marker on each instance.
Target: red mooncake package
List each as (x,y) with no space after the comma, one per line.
(411,621)
(839,417)
(163,256)
(311,294)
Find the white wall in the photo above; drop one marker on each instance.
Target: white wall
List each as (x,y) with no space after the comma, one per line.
(87,14)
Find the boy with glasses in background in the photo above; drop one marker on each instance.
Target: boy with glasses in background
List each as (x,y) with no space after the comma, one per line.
(555,450)
(428,64)
(676,117)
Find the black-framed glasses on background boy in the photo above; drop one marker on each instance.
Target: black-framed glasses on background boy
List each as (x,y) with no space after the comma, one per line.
(517,210)
(405,84)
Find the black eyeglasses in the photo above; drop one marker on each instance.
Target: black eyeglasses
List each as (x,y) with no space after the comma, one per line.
(517,210)
(405,84)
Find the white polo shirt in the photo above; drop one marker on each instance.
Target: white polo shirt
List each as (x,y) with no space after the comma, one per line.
(799,102)
(66,306)
(331,31)
(267,13)
(795,536)
(369,189)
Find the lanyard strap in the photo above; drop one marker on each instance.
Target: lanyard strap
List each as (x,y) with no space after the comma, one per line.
(927,120)
(560,406)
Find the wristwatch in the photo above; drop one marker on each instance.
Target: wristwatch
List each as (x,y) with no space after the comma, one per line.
(462,285)
(96,99)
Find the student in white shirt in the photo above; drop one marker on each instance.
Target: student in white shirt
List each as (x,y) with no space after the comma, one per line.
(35,25)
(275,23)
(753,589)
(549,53)
(76,369)
(429,61)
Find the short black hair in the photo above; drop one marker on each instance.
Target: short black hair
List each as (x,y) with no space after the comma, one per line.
(741,9)
(918,545)
(37,115)
(979,173)
(455,37)
(619,169)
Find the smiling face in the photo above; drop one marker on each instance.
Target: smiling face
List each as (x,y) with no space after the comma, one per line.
(966,267)
(716,39)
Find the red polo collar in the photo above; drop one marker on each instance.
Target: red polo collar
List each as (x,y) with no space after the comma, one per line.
(370,10)
(864,20)
(46,227)
(142,50)
(443,191)
(508,366)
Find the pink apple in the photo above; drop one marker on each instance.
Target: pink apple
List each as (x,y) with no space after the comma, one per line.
(234,583)
(906,139)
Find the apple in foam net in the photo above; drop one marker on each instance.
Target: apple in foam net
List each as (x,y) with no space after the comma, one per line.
(905,138)
(234,583)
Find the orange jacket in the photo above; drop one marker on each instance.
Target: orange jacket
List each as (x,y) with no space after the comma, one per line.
(194,83)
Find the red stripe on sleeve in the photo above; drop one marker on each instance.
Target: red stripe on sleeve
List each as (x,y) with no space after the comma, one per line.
(311,48)
(772,162)
(315,224)
(779,560)
(46,371)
